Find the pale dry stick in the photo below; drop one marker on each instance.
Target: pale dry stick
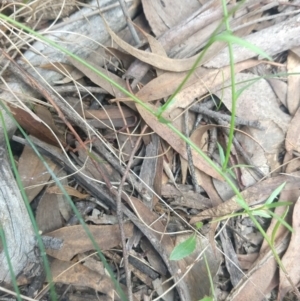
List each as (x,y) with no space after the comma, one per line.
(217,116)
(67,89)
(120,216)
(267,18)
(9,292)
(129,23)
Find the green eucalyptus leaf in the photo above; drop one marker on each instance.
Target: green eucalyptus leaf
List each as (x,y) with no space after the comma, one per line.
(184,249)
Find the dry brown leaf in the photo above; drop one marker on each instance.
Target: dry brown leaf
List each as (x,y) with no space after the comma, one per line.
(32,124)
(75,239)
(33,172)
(48,217)
(291,257)
(53,209)
(257,101)
(110,116)
(201,82)
(162,15)
(255,286)
(71,73)
(80,275)
(100,81)
(253,195)
(280,89)
(165,84)
(293,96)
(155,60)
(178,144)
(292,141)
(45,115)
(211,81)
(70,190)
(246,260)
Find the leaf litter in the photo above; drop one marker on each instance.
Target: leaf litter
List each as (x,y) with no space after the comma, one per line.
(110,124)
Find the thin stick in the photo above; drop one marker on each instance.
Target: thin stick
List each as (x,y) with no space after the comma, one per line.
(120,216)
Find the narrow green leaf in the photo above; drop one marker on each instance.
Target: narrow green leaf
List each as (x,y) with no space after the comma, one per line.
(262,213)
(230,38)
(278,223)
(274,194)
(221,153)
(184,249)
(282,221)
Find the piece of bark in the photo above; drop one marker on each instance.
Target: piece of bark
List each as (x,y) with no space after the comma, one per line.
(15,222)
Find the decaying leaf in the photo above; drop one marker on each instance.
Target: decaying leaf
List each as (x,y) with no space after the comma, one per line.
(33,173)
(75,239)
(164,15)
(100,81)
(33,125)
(53,210)
(78,274)
(292,141)
(291,257)
(70,190)
(293,96)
